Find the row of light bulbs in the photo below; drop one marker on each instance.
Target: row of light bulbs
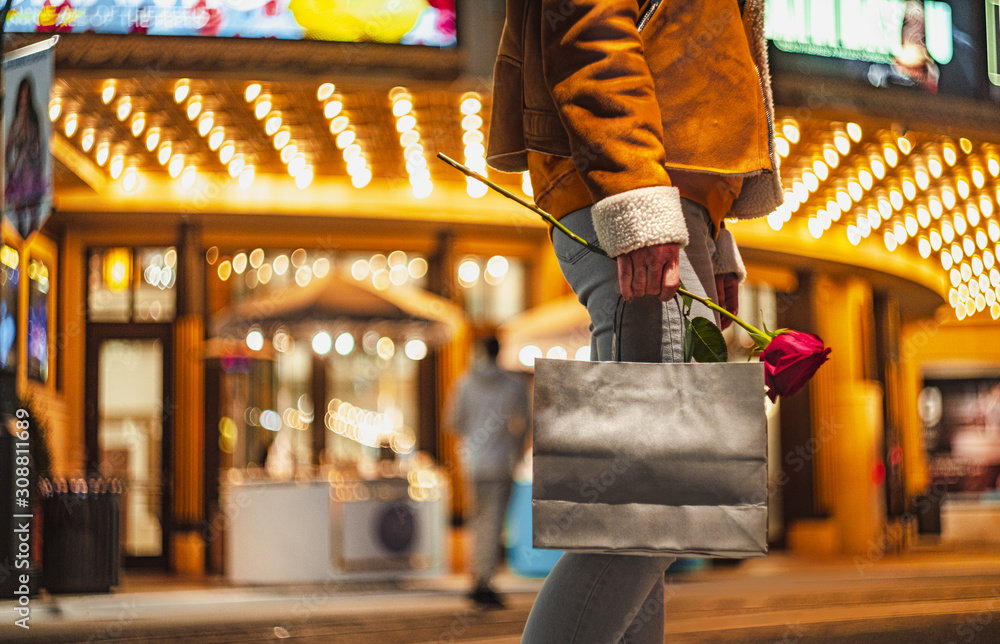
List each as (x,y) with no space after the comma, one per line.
(409,139)
(530,352)
(323,343)
(344,135)
(964,246)
(473,139)
(297,165)
(396,269)
(259,271)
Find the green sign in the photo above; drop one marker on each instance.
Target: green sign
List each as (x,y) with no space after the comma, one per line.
(992,28)
(868,30)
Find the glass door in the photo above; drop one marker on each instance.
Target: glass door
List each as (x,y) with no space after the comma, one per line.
(128,430)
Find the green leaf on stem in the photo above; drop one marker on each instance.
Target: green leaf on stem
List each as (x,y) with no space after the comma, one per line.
(686,299)
(709,344)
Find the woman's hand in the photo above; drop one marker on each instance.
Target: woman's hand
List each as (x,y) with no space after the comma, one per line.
(652,270)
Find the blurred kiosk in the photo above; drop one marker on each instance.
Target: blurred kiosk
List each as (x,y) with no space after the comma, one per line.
(339,528)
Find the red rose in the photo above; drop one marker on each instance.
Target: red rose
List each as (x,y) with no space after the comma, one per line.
(790,360)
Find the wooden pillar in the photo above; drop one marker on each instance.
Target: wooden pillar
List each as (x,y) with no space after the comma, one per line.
(188,547)
(318,394)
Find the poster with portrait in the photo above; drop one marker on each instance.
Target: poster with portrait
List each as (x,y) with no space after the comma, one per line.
(27,164)
(961,422)
(942,47)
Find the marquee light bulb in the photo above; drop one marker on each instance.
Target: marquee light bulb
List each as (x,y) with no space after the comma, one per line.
(108,93)
(205,125)
(332,109)
(117,165)
(262,108)
(181,91)
(324,91)
(216,139)
(251,92)
(124,108)
(226,151)
(103,151)
(272,124)
(175,166)
(471,105)
(188,177)
(791,131)
(138,124)
(194,108)
(400,107)
(131,180)
(878,168)
(71,124)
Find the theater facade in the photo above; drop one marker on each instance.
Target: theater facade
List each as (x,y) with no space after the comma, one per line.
(257,271)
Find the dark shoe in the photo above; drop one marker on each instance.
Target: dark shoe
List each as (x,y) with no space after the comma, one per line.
(486,597)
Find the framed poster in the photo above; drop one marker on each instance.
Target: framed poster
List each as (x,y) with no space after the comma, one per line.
(10,280)
(38,321)
(961,420)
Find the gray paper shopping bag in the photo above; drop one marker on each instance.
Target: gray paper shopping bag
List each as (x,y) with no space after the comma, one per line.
(650,458)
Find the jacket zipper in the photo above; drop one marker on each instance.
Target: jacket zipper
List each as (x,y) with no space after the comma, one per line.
(647,13)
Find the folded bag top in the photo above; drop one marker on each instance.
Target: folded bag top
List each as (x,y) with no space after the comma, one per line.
(647,458)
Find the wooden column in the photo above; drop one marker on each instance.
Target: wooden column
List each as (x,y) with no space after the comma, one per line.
(188,547)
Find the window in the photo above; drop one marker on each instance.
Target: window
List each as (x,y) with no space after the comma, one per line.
(494,288)
(132,284)
(38,321)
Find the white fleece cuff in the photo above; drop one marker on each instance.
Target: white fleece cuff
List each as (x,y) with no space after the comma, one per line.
(726,258)
(639,218)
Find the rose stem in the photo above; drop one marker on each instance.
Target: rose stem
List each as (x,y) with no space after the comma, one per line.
(580,240)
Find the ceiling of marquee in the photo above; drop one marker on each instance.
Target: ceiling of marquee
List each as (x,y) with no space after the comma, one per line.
(918,192)
(912,191)
(215,126)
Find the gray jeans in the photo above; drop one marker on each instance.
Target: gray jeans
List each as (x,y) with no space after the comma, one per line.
(490,509)
(603,598)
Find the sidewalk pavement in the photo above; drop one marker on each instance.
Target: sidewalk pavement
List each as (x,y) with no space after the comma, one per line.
(924,595)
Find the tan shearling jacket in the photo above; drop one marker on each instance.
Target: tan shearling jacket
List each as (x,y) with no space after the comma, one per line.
(630,89)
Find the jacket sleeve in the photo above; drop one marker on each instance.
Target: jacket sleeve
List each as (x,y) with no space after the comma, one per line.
(726,258)
(596,71)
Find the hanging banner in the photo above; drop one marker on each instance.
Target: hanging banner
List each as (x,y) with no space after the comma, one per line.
(407,22)
(27,167)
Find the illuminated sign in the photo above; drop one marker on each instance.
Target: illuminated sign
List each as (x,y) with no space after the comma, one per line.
(9,257)
(867,30)
(408,22)
(992,51)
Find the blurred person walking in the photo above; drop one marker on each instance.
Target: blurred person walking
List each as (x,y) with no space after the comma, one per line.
(643,124)
(490,415)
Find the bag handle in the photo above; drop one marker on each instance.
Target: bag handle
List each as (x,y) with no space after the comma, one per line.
(616,347)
